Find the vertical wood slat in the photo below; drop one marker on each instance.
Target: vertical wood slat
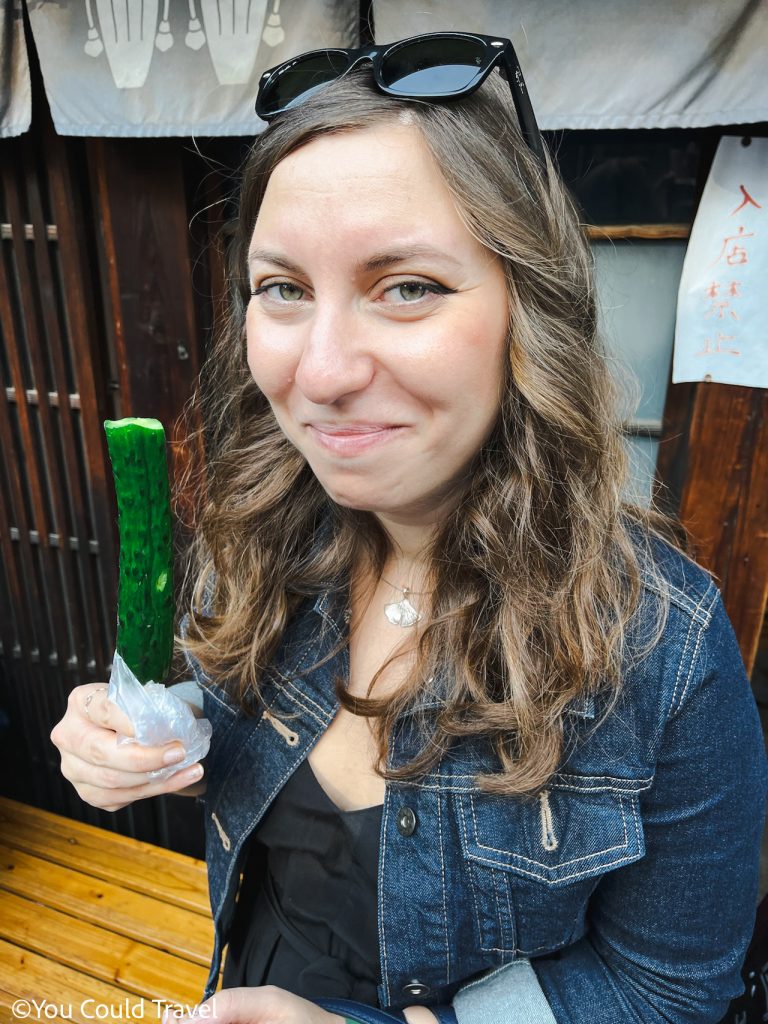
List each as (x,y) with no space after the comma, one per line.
(34,635)
(724,501)
(25,591)
(52,339)
(16,625)
(101,585)
(15,569)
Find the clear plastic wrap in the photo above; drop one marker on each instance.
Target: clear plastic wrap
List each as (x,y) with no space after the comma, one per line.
(158,716)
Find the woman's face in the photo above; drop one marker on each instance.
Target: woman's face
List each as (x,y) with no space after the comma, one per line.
(378,331)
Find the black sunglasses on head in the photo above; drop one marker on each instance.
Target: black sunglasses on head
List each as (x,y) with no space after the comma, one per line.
(436,66)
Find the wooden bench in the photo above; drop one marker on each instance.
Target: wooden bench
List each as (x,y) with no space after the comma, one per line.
(89,918)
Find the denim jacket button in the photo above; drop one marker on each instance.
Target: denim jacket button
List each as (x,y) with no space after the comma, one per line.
(416,988)
(406,821)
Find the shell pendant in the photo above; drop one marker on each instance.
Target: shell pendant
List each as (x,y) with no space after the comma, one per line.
(402,613)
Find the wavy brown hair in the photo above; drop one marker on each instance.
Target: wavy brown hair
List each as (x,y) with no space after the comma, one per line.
(536,573)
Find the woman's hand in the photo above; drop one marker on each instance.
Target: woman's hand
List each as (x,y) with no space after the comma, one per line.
(104,774)
(264,1005)
(271,1005)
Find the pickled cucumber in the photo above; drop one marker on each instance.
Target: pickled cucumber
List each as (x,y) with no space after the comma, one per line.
(145,605)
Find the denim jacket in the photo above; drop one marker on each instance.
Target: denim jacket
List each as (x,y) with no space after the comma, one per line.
(625,892)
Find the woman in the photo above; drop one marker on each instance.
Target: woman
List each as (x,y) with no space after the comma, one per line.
(483,743)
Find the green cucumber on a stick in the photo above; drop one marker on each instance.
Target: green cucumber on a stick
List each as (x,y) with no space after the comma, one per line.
(145,604)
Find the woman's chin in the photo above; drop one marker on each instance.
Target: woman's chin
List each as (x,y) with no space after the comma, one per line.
(363,500)
(362,504)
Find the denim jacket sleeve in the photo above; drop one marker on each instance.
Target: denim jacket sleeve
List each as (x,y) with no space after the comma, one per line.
(668,933)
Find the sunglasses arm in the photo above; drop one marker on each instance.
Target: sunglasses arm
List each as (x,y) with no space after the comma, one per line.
(525,115)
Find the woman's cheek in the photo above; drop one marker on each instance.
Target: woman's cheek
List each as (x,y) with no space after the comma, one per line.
(271,366)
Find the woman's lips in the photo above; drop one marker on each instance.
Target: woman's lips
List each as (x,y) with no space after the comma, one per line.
(353,441)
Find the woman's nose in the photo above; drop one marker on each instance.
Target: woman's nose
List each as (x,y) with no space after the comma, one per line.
(335,360)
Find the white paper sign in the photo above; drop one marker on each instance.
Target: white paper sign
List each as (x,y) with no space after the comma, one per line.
(721,333)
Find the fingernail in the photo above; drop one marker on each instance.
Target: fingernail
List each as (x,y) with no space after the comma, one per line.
(173,755)
(195,773)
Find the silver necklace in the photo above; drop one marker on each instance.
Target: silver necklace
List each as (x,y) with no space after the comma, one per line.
(402,613)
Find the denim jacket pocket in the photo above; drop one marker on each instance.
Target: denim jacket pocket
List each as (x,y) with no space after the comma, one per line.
(533,864)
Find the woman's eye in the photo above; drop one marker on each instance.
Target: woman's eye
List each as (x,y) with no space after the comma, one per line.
(410,292)
(287,291)
(403,294)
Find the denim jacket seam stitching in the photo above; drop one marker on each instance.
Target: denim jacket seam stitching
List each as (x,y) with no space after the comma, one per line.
(617,790)
(566,863)
(443,891)
(498,882)
(675,703)
(562,775)
(525,953)
(295,700)
(469,790)
(295,669)
(204,683)
(323,716)
(694,661)
(485,978)
(382,929)
(683,662)
(635,785)
(681,599)
(636,822)
(577,875)
(222,703)
(304,658)
(472,885)
(511,917)
(473,888)
(330,622)
(227,880)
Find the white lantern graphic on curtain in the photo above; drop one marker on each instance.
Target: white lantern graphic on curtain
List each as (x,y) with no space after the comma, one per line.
(233,28)
(128,29)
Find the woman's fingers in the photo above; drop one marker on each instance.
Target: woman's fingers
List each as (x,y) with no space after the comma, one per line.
(108,777)
(266,1004)
(100,710)
(101,747)
(105,773)
(111,789)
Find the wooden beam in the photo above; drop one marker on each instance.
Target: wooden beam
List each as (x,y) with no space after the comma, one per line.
(601,232)
(724,495)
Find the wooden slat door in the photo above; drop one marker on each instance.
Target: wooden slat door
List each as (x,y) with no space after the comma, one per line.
(56,515)
(90,329)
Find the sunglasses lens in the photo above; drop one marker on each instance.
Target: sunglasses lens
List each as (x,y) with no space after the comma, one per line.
(433,66)
(302,78)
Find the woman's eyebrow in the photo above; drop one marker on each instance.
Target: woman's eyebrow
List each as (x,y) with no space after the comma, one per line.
(378,261)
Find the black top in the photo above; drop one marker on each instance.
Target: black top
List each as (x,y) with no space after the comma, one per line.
(311,928)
